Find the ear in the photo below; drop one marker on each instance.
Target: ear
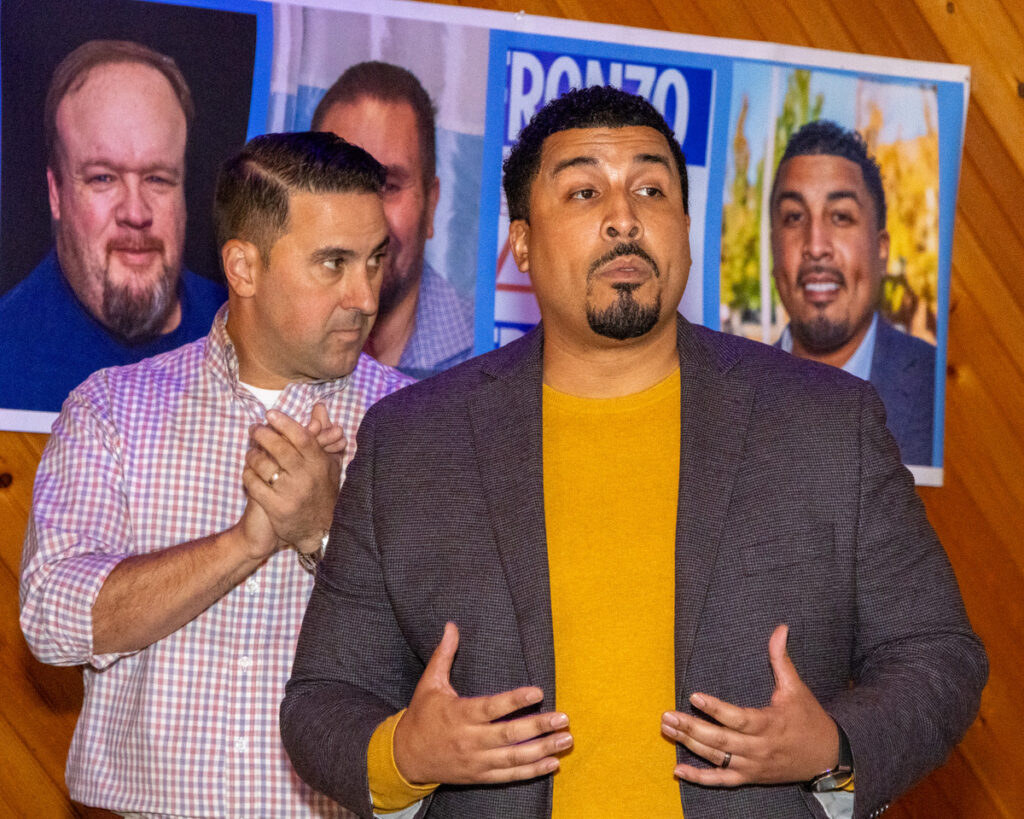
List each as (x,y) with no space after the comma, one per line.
(242,266)
(519,243)
(883,250)
(433,194)
(51,186)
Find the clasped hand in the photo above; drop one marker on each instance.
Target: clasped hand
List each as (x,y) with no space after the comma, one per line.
(291,476)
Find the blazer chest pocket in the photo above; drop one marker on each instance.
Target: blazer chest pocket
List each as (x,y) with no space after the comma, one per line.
(808,551)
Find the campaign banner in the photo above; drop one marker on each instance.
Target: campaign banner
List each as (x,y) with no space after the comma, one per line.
(734,106)
(528,71)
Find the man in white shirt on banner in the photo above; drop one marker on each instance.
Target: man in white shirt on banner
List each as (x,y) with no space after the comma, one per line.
(425,325)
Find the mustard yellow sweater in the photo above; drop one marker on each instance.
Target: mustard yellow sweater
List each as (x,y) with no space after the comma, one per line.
(611,478)
(611,481)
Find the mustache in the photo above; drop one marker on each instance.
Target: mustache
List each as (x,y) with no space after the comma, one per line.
(623,249)
(818,270)
(135,244)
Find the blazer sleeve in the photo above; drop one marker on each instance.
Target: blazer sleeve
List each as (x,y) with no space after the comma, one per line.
(918,668)
(352,668)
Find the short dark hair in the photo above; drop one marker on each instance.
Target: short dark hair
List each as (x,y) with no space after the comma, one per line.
(252,195)
(388,83)
(594,107)
(824,137)
(72,72)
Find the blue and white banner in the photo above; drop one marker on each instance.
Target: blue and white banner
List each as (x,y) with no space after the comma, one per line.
(733,105)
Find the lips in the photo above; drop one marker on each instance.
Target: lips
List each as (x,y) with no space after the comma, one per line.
(624,263)
(628,268)
(136,255)
(819,285)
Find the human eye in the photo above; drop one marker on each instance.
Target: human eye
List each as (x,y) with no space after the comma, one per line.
(583,193)
(791,217)
(651,191)
(843,217)
(332,263)
(376,261)
(161,180)
(99,178)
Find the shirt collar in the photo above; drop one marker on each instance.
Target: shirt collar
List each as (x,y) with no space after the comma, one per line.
(222,360)
(859,364)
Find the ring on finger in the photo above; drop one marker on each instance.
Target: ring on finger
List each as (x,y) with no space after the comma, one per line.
(273,478)
(726,760)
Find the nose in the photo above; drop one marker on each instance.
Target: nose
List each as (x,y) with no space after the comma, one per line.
(817,239)
(133,208)
(360,291)
(621,220)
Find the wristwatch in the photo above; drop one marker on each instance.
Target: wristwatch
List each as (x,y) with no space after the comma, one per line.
(839,777)
(309,561)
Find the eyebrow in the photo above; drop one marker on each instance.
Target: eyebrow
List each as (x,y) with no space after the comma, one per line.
(120,167)
(324,254)
(831,196)
(400,172)
(575,161)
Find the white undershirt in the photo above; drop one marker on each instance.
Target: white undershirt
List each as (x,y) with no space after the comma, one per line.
(266,397)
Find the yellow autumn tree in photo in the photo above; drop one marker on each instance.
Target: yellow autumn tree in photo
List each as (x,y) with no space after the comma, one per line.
(910,178)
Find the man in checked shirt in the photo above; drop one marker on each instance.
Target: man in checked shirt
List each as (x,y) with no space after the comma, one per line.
(181,502)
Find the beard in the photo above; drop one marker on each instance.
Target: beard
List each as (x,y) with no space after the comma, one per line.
(820,335)
(398,281)
(135,311)
(139,315)
(625,317)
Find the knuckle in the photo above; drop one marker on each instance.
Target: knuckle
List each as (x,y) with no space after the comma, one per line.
(508,733)
(515,756)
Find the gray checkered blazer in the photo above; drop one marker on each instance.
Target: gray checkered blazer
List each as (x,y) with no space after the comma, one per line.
(793,507)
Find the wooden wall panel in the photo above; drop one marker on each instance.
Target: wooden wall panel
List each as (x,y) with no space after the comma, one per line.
(977,513)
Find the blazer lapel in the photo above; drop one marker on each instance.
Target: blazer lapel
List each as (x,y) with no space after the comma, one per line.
(505,414)
(715,415)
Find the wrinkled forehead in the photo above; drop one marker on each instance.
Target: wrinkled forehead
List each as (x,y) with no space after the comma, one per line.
(616,148)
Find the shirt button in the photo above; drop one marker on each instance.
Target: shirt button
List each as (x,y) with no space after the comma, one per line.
(241,744)
(245,663)
(252,585)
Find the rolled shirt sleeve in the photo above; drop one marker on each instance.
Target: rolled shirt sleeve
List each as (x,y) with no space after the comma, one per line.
(78,531)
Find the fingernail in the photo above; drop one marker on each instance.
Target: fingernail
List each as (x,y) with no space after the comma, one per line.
(559,720)
(697,700)
(551,765)
(564,742)
(669,718)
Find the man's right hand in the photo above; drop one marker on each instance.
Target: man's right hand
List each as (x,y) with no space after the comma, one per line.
(445,738)
(291,477)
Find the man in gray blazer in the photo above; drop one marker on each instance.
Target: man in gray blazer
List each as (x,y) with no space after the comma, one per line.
(819,659)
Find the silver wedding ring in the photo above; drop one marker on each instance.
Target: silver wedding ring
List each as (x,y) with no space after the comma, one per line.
(726,761)
(273,479)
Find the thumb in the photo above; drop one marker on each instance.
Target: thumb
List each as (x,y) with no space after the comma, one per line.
(439,668)
(316,420)
(320,414)
(782,666)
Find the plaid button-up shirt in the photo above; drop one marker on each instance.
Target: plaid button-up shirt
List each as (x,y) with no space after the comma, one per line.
(141,458)
(443,335)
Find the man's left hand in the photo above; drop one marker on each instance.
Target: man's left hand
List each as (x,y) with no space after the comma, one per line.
(790,740)
(293,472)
